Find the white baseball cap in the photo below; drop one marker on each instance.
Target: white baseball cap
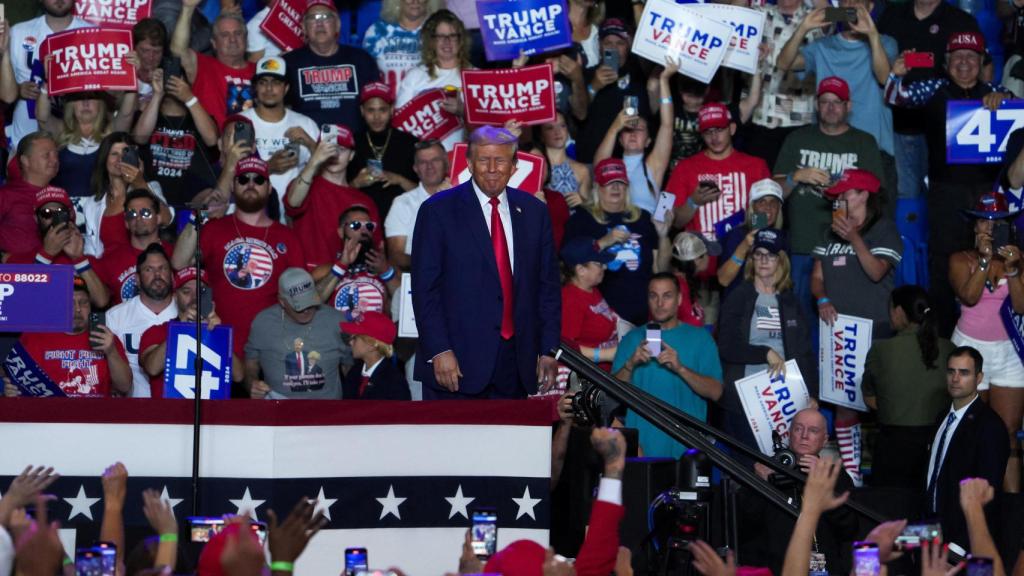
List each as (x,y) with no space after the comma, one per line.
(765,187)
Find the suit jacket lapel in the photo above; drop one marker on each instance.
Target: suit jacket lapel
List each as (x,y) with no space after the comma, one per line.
(473,217)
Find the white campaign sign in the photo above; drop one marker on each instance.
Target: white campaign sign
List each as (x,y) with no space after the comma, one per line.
(842,353)
(748,28)
(770,403)
(698,42)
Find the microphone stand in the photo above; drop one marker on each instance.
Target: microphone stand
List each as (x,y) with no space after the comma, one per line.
(198,367)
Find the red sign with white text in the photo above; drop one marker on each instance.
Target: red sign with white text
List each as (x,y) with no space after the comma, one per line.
(121,14)
(496,96)
(424,118)
(283,23)
(88,59)
(528,175)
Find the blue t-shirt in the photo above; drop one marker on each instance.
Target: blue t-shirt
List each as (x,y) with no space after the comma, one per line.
(851,61)
(698,352)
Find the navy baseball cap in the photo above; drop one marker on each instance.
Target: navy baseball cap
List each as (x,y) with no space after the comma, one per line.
(581,250)
(771,240)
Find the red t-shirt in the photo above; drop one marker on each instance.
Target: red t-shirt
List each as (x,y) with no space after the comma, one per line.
(154,336)
(18,229)
(734,175)
(244,263)
(316,220)
(362,290)
(117,270)
(587,319)
(113,232)
(70,361)
(221,89)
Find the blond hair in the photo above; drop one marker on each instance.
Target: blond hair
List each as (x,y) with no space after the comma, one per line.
(782,280)
(631,211)
(71,132)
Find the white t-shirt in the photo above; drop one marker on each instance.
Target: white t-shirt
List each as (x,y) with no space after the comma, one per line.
(418,80)
(256,39)
(26,38)
(270,138)
(128,320)
(402,216)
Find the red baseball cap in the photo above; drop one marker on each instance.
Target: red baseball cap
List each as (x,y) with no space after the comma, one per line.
(520,558)
(54,194)
(186,275)
(713,115)
(372,324)
(972,41)
(835,85)
(610,170)
(252,165)
(329,4)
(855,179)
(345,136)
(376,90)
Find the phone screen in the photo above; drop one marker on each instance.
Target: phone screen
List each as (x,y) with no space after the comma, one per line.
(485,532)
(979,566)
(914,534)
(108,555)
(88,562)
(654,339)
(203,529)
(865,559)
(356,559)
(758,221)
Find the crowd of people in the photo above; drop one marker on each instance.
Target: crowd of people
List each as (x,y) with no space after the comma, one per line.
(730,218)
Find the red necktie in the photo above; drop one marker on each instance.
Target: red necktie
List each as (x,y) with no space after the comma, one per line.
(363,383)
(504,271)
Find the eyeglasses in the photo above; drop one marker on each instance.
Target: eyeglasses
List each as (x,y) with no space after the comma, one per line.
(132,214)
(357,224)
(244,179)
(51,212)
(447,37)
(318,17)
(766,256)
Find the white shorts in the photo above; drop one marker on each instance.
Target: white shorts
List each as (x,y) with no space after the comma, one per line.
(1002,366)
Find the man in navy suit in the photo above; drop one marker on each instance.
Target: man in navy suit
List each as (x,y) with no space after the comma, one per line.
(485,287)
(970,442)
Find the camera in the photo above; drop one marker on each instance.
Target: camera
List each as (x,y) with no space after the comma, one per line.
(781,454)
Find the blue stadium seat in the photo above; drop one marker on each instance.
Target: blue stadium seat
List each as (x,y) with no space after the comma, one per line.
(355,21)
(907,271)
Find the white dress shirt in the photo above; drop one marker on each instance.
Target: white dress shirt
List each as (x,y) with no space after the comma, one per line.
(949,436)
(506,218)
(368,371)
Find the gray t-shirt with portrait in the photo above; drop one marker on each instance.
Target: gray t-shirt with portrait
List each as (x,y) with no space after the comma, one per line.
(299,360)
(765,329)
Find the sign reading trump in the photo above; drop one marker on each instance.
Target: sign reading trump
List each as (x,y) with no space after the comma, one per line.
(747,25)
(684,33)
(527,26)
(113,13)
(88,59)
(842,353)
(770,402)
(424,118)
(523,94)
